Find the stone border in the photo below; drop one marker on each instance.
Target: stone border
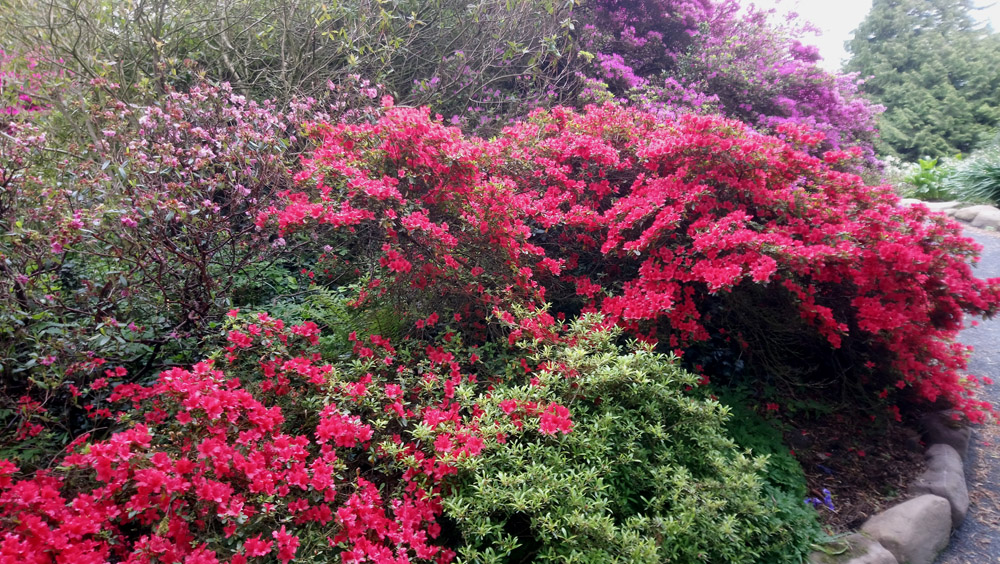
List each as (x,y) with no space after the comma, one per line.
(983,217)
(917,530)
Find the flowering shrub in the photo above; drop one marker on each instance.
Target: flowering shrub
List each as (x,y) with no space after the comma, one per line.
(672,56)
(128,248)
(659,225)
(386,189)
(267,451)
(705,207)
(22,81)
(208,468)
(647,474)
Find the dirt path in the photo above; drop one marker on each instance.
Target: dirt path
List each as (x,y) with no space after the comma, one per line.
(978,541)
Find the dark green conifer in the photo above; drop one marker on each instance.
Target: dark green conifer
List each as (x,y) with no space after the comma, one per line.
(935,70)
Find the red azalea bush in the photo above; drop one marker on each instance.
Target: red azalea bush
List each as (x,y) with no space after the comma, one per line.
(266,451)
(212,465)
(679,230)
(272,452)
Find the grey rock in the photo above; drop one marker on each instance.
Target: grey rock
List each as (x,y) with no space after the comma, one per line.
(970,213)
(915,531)
(943,206)
(876,555)
(934,206)
(860,550)
(945,477)
(987,219)
(941,428)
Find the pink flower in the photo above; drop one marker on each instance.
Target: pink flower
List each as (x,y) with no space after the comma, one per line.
(287,545)
(555,419)
(258,547)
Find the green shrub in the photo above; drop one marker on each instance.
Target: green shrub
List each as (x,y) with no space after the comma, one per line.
(648,473)
(929,181)
(750,431)
(977,179)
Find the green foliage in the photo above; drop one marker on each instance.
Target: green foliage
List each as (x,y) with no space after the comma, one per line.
(929,181)
(648,473)
(483,61)
(977,179)
(333,311)
(936,72)
(752,432)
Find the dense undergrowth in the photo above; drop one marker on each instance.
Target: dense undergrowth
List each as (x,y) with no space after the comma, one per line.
(471,394)
(328,326)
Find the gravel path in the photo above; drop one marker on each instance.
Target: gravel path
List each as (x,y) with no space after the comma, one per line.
(978,541)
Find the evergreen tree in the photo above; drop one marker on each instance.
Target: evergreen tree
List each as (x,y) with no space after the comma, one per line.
(936,72)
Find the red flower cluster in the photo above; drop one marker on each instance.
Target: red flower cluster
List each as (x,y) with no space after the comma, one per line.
(649,221)
(216,459)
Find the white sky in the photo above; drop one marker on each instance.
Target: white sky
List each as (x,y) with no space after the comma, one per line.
(837,19)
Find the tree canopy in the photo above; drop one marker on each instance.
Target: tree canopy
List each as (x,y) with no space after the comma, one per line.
(936,72)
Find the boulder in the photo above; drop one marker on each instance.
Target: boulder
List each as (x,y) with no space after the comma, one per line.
(970,213)
(915,531)
(942,428)
(945,477)
(987,219)
(859,550)
(943,206)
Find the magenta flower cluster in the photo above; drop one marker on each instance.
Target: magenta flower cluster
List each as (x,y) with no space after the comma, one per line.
(712,56)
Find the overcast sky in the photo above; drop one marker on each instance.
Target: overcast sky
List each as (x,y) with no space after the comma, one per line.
(837,19)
